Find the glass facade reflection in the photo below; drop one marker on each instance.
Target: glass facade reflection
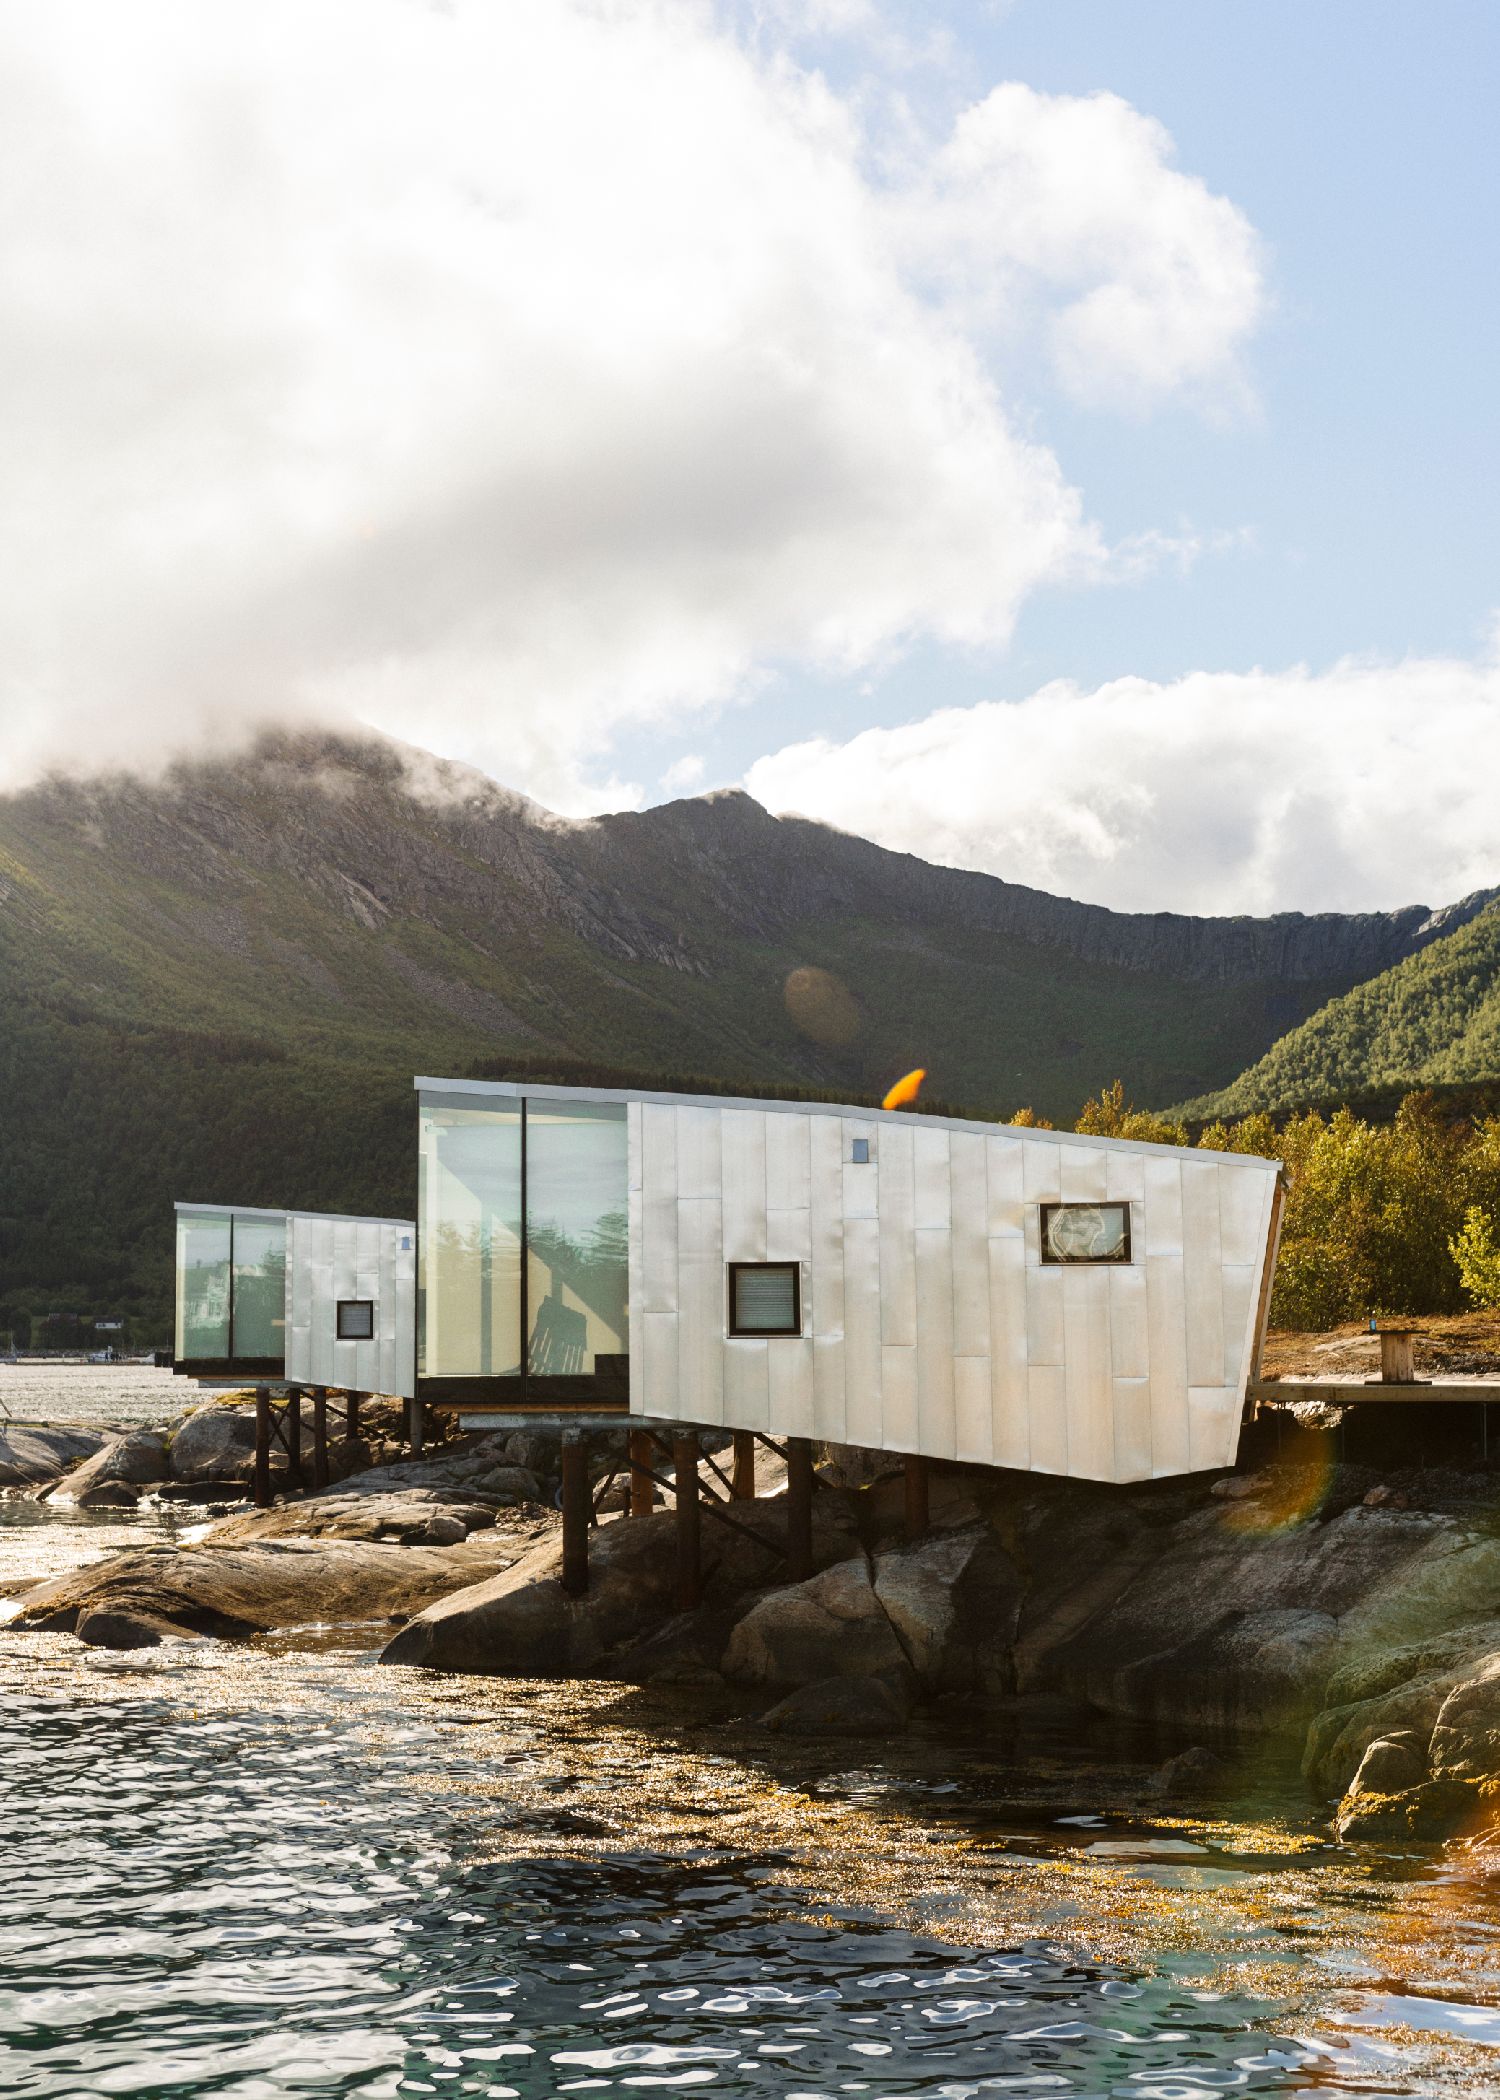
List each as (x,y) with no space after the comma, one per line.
(231,1287)
(523,1265)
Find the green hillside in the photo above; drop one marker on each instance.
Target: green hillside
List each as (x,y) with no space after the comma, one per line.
(219,985)
(1432,1020)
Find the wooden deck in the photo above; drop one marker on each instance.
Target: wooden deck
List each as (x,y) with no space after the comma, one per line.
(1351,1392)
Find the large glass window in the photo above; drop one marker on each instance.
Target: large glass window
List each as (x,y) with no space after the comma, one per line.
(203,1257)
(569,1158)
(577,1280)
(469,1212)
(259,1307)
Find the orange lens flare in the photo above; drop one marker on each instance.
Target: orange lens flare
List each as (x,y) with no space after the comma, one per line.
(906,1089)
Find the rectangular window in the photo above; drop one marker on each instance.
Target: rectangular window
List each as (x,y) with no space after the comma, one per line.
(356,1320)
(859,1151)
(203,1263)
(1085,1232)
(577,1250)
(259,1288)
(469,1240)
(765,1298)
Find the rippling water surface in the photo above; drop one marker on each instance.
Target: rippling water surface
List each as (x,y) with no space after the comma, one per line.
(107,1396)
(287,1871)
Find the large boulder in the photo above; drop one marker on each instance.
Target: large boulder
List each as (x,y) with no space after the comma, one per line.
(234,1591)
(841,1706)
(217,1442)
(31,1456)
(137,1459)
(407,1517)
(831,1626)
(953,1601)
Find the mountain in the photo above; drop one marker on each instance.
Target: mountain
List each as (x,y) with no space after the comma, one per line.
(218,984)
(1433,1019)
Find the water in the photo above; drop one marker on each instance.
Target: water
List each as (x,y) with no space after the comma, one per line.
(104,1396)
(283,1870)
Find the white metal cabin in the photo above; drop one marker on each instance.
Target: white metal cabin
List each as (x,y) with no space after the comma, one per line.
(987,1292)
(297,1295)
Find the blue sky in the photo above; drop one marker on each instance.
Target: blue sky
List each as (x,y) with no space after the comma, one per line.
(1054,437)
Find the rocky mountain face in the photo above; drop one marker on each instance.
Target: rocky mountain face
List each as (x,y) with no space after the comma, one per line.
(219,983)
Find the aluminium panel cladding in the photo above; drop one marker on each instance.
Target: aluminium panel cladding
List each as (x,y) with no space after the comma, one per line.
(930,1322)
(334,1259)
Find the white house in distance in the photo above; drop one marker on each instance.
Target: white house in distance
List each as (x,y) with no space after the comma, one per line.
(993,1293)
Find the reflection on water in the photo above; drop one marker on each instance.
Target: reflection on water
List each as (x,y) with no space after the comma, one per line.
(107,1396)
(228,1904)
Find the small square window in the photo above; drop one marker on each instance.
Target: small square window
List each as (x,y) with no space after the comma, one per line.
(765,1298)
(859,1152)
(356,1320)
(1085,1232)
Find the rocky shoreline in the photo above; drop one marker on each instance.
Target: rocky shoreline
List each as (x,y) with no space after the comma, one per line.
(1350,1615)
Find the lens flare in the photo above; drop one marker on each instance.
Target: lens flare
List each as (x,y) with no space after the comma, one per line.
(906,1089)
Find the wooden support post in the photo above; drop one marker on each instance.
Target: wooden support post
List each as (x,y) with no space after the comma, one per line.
(689,1521)
(744,1465)
(351,1414)
(320,1436)
(261,1477)
(799,1494)
(642,1486)
(1398,1363)
(916,1496)
(414,1426)
(292,1431)
(576,1512)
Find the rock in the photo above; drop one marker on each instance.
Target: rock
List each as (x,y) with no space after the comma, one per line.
(1191,1772)
(831,1626)
(29,1456)
(508,1484)
(217,1442)
(1466,1735)
(1440,1809)
(1234,1488)
(139,1459)
(108,1494)
(233,1591)
(952,1600)
(405,1517)
(1392,1764)
(1378,1497)
(840,1706)
(684,1671)
(444,1531)
(103,1628)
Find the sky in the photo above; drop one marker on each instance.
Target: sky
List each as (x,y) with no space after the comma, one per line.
(1054,437)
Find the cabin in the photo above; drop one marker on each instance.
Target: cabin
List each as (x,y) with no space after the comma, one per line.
(295,1296)
(993,1293)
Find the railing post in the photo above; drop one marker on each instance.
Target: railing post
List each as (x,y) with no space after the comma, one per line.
(575,1515)
(261,1477)
(689,1518)
(743,1477)
(799,1493)
(292,1419)
(320,1436)
(642,1486)
(916,1495)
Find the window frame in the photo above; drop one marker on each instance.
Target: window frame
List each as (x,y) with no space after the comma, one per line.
(1122,1260)
(737,1333)
(343,1304)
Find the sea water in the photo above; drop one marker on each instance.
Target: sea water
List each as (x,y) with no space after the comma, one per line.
(287,1870)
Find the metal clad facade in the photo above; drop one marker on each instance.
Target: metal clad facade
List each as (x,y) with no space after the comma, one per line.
(331,1260)
(930,1322)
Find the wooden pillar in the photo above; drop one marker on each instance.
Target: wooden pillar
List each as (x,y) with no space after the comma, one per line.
(414,1426)
(351,1414)
(1398,1360)
(744,1466)
(689,1520)
(799,1494)
(261,1477)
(575,1515)
(292,1418)
(642,1486)
(320,1436)
(916,1495)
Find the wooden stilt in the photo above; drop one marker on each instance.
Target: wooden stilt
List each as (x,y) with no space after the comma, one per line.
(916,1496)
(799,1494)
(642,1486)
(292,1431)
(744,1466)
(320,1436)
(351,1414)
(689,1519)
(261,1478)
(575,1515)
(414,1426)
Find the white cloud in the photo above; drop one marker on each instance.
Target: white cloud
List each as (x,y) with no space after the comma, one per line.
(684,774)
(1369,785)
(503,376)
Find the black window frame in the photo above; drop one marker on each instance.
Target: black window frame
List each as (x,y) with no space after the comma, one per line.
(1085,1261)
(764,1334)
(342,1305)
